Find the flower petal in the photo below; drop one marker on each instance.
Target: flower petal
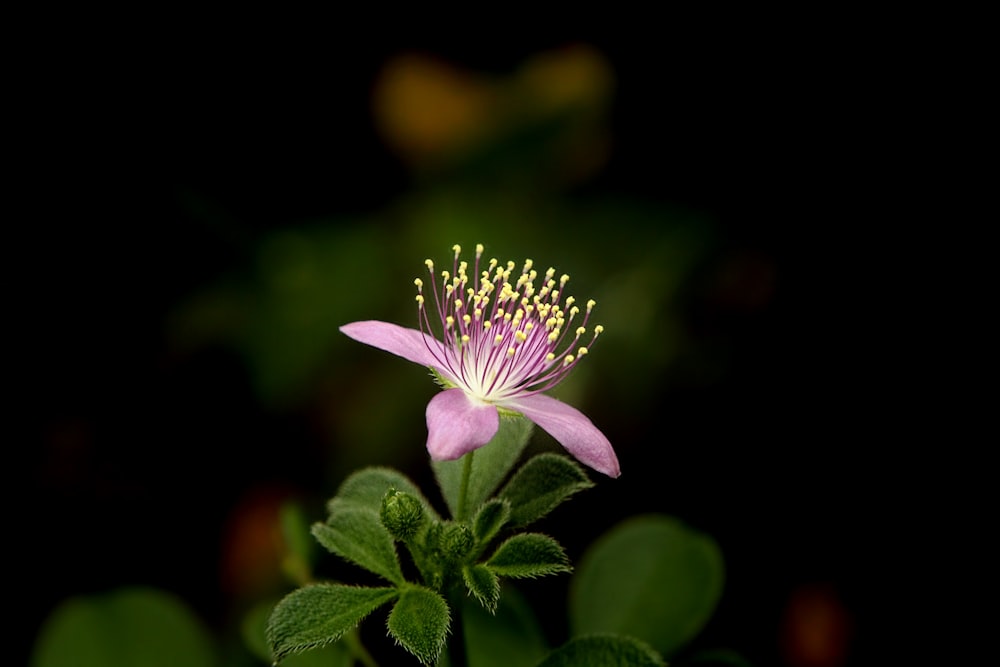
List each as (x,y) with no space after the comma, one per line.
(409,344)
(457,424)
(571,428)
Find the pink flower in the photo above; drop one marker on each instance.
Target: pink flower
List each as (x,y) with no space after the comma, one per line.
(500,344)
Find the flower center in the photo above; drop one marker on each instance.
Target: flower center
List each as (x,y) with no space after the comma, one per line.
(499,335)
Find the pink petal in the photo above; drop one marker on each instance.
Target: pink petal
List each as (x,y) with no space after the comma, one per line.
(409,344)
(457,424)
(571,428)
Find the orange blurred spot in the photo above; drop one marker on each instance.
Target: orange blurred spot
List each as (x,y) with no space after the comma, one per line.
(253,547)
(816,628)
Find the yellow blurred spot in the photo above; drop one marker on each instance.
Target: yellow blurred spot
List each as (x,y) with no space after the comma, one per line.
(427,108)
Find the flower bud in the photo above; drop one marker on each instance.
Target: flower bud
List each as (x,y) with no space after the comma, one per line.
(401,514)
(456,541)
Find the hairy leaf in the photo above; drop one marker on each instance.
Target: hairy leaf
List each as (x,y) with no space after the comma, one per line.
(483,584)
(365,488)
(318,614)
(529,555)
(419,622)
(358,536)
(603,651)
(541,485)
(489,520)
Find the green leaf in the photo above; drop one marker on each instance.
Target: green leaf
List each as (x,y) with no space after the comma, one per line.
(650,577)
(510,637)
(542,484)
(419,622)
(489,520)
(123,628)
(529,555)
(254,632)
(603,651)
(365,488)
(717,658)
(358,536)
(490,465)
(300,548)
(319,614)
(483,584)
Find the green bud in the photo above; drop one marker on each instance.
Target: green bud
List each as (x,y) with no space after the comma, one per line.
(457,541)
(401,514)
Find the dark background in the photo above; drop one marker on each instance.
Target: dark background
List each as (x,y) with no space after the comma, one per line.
(788,143)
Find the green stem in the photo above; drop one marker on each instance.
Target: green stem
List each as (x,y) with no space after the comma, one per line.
(463,489)
(457,655)
(357,649)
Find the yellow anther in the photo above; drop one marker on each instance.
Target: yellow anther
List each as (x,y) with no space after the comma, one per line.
(520,336)
(598,330)
(418,282)
(528,326)
(550,357)
(458,304)
(590,305)
(563,279)
(551,272)
(420,299)
(449,322)
(510,265)
(528,263)
(479,250)
(465,338)
(570,300)
(487,324)
(554,336)
(498,339)
(568,360)
(478,312)
(446,275)
(510,352)
(582,351)
(580,331)
(467,318)
(458,249)
(463,266)
(573,311)
(429,264)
